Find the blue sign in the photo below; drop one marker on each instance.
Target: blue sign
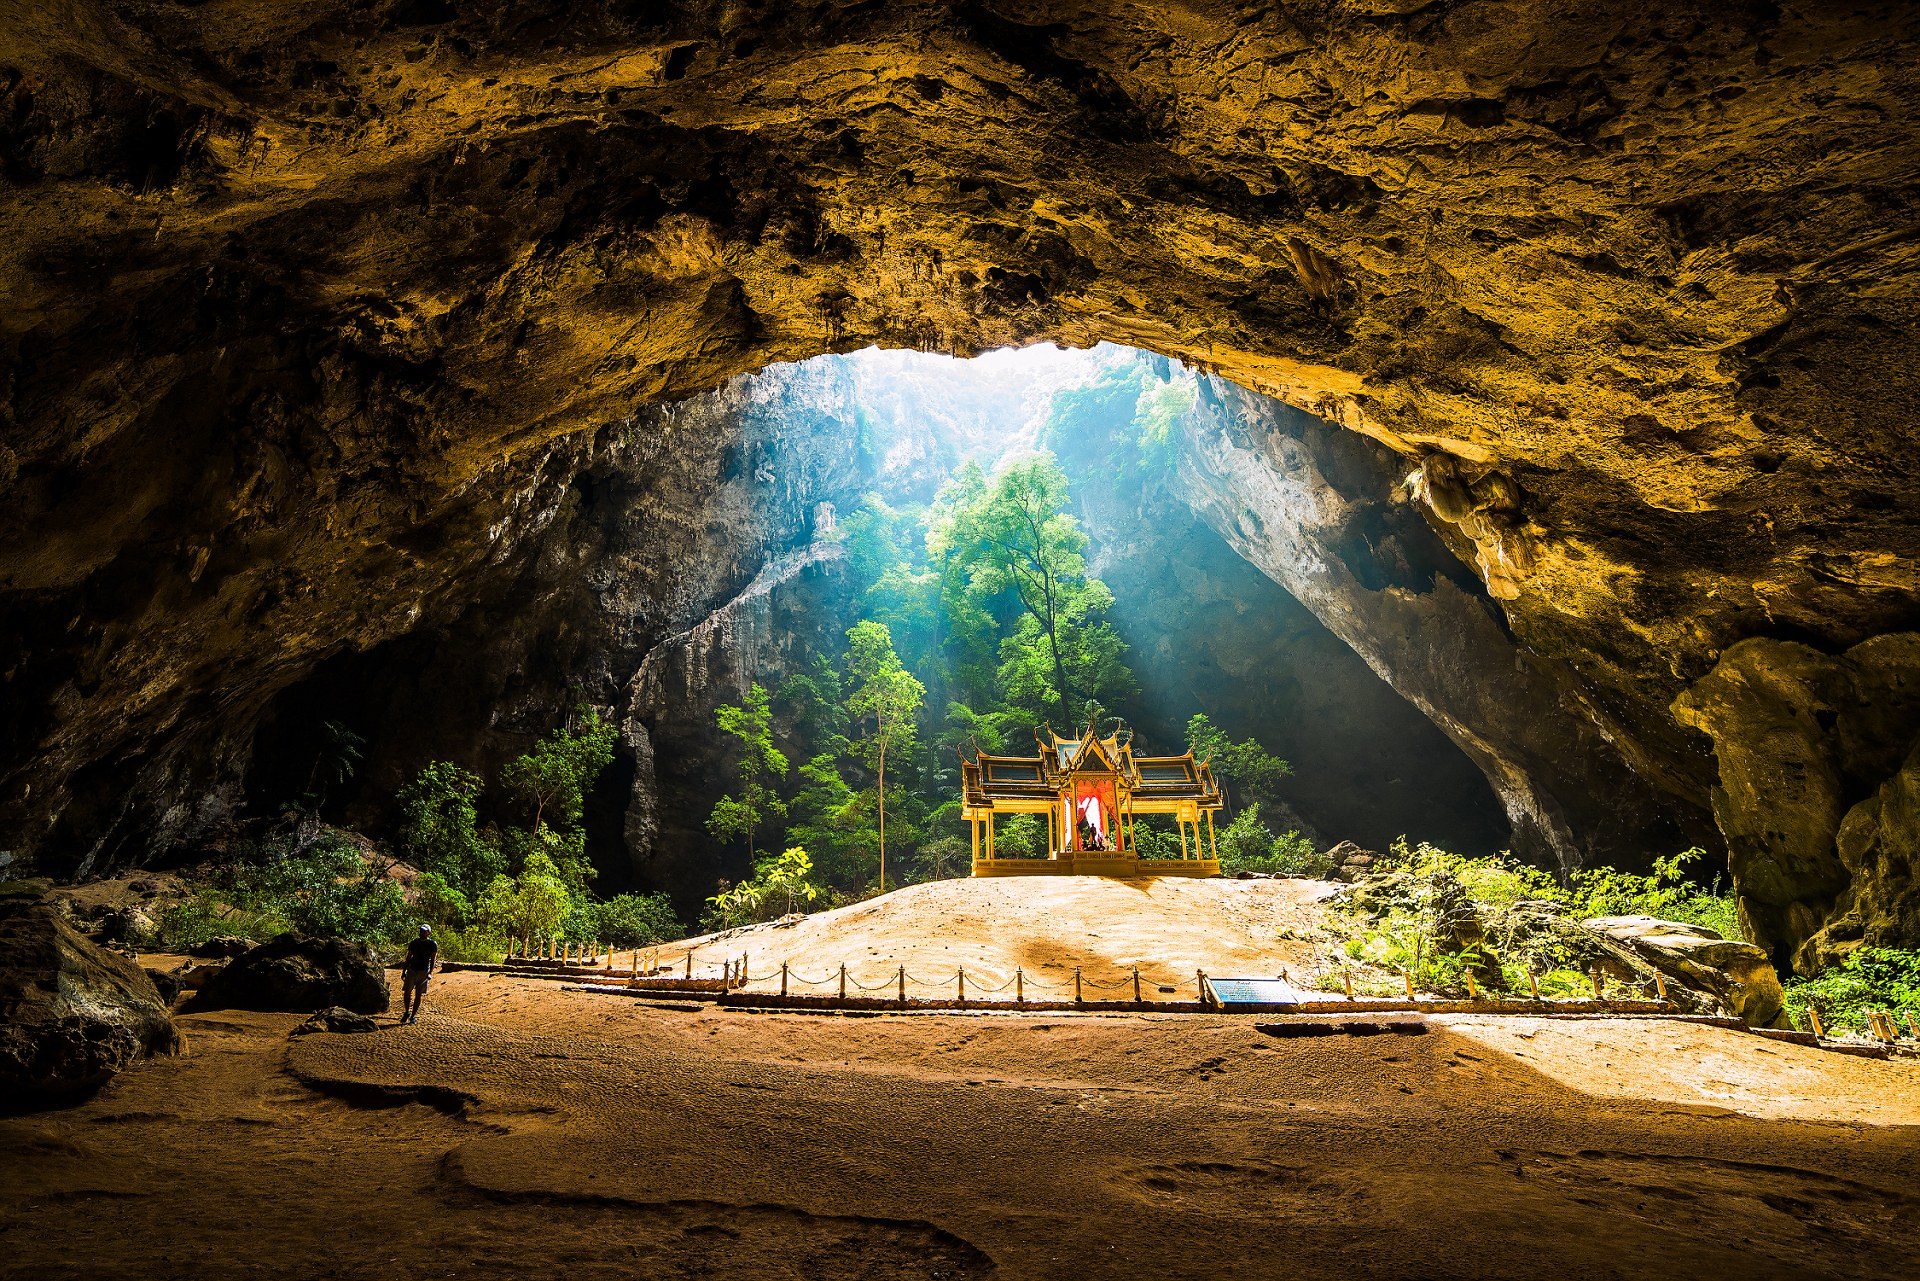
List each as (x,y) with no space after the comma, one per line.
(1252,991)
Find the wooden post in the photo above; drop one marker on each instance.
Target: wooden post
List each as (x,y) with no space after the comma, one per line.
(1019,986)
(843,980)
(783,978)
(1136,985)
(1813,1017)
(1409,977)
(903,985)
(1346,981)
(963,987)
(1596,982)
(1660,984)
(689,965)
(1200,986)
(1913,1026)
(744,969)
(1473,993)
(636,962)
(1533,984)
(1076,986)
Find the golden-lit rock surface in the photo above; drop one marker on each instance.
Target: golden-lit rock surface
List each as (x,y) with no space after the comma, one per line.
(311,308)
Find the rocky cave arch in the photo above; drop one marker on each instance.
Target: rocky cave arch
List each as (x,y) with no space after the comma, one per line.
(319,319)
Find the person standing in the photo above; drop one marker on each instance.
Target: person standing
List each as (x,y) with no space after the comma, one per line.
(423,957)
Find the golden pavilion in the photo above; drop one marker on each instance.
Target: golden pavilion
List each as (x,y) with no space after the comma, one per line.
(1091,789)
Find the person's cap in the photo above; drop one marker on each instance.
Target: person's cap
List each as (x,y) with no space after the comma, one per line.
(426,929)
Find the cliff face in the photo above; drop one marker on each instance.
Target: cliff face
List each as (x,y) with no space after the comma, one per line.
(313,311)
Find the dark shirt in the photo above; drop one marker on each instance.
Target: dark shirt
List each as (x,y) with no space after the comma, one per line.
(420,955)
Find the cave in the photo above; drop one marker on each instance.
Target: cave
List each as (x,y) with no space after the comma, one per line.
(333,335)
(1543,481)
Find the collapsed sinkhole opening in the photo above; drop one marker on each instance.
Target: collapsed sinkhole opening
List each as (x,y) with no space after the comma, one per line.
(731,540)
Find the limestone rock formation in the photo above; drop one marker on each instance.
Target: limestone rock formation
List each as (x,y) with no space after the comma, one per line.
(297,973)
(72,1014)
(1738,975)
(1817,757)
(1315,509)
(317,313)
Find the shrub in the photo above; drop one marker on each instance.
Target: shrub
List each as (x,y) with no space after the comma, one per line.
(533,905)
(1248,845)
(473,944)
(626,920)
(1868,979)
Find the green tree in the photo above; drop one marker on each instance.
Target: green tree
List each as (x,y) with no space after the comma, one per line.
(1016,538)
(1245,768)
(886,697)
(532,905)
(789,877)
(439,828)
(552,780)
(752,724)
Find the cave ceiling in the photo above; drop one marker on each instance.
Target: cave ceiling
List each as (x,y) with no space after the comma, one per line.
(308,305)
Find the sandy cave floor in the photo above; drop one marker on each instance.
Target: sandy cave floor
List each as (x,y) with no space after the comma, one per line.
(522,1129)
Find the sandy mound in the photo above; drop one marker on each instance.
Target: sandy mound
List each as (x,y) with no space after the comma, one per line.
(1042,925)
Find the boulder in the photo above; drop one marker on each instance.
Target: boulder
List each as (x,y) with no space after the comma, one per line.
(335,1019)
(1738,975)
(299,973)
(126,925)
(72,1014)
(1348,862)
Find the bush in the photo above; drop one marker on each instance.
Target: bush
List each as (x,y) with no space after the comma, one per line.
(207,915)
(1248,845)
(1869,979)
(531,906)
(473,944)
(626,920)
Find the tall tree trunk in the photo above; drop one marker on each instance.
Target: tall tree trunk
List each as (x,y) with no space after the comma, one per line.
(883,820)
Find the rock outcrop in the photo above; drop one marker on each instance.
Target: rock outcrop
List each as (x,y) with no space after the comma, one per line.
(1819,791)
(1320,511)
(297,973)
(72,1014)
(1737,975)
(316,316)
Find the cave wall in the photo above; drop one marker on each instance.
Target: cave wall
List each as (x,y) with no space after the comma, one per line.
(1326,515)
(308,304)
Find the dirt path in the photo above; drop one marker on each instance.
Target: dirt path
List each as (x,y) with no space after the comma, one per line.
(522,1130)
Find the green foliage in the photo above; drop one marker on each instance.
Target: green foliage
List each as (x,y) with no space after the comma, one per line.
(833,821)
(1015,539)
(741,815)
(787,878)
(625,920)
(1247,769)
(885,699)
(1667,894)
(1249,845)
(334,764)
(531,905)
(205,915)
(552,780)
(324,888)
(437,903)
(1410,923)
(1868,979)
(943,857)
(1022,836)
(439,828)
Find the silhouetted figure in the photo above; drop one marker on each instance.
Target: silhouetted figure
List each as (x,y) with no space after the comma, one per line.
(423,956)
